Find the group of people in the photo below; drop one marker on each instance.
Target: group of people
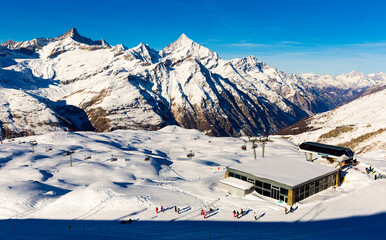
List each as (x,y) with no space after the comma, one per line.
(371,170)
(238,214)
(204,213)
(290,210)
(176,209)
(162,209)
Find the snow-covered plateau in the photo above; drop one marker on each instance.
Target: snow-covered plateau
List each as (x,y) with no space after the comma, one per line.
(126,174)
(73,83)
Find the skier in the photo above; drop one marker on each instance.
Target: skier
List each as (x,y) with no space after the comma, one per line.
(178,210)
(175,208)
(211,210)
(234,213)
(237,214)
(162,208)
(202,212)
(242,212)
(285,210)
(156,209)
(254,214)
(291,209)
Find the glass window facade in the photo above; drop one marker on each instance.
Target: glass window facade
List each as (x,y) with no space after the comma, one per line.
(280,193)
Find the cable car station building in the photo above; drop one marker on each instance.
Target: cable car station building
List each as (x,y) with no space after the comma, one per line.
(334,153)
(281,178)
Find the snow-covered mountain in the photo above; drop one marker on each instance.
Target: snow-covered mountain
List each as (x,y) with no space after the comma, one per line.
(359,125)
(71,82)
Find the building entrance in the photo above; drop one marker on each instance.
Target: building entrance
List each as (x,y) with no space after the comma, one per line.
(275,193)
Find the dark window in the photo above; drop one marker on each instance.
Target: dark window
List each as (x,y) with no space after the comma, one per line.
(301,197)
(316,183)
(281,197)
(307,187)
(231,174)
(267,193)
(284,191)
(259,190)
(258,183)
(237,176)
(267,186)
(244,178)
(306,194)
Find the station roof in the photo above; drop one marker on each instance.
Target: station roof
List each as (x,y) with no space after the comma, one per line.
(326,149)
(237,183)
(287,171)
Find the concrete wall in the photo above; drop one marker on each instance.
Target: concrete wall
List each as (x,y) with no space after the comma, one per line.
(237,192)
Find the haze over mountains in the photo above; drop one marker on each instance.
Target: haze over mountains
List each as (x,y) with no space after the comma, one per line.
(73,83)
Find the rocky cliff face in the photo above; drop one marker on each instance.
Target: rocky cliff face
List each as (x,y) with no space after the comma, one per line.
(81,84)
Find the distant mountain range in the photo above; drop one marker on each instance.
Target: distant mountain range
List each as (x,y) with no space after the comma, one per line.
(359,125)
(73,83)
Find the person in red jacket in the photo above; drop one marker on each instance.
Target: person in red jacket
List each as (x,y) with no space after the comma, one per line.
(156,209)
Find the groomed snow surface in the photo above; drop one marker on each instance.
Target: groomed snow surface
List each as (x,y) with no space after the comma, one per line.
(126,174)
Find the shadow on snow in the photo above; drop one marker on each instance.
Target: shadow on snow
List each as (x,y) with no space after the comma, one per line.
(345,228)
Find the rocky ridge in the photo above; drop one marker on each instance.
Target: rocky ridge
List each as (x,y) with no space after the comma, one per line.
(81,84)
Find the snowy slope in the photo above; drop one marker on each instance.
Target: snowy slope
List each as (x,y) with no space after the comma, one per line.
(42,185)
(91,85)
(360,124)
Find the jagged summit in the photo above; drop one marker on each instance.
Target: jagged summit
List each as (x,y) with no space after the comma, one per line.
(145,53)
(78,86)
(184,48)
(354,73)
(27,47)
(74,34)
(184,39)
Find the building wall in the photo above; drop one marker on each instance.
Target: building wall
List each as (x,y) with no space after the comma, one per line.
(237,192)
(281,191)
(310,188)
(264,187)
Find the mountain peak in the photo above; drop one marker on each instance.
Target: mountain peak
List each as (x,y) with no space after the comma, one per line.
(184,47)
(145,53)
(355,73)
(74,34)
(183,37)
(184,41)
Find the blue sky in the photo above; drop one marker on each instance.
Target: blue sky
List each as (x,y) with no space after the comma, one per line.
(325,37)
